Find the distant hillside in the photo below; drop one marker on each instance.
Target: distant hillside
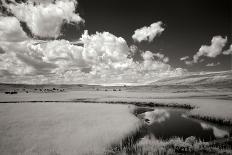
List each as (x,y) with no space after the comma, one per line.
(43,87)
(49,88)
(191,82)
(212,79)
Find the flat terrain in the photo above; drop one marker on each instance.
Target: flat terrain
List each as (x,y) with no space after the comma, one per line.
(206,104)
(75,119)
(63,128)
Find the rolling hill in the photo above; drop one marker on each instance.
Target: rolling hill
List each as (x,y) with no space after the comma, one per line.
(210,79)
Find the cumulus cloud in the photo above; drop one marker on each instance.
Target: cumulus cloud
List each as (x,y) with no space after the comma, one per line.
(148,33)
(229,51)
(158,56)
(213,50)
(102,58)
(10,30)
(45,19)
(210,51)
(10,63)
(213,64)
(138,55)
(104,48)
(98,58)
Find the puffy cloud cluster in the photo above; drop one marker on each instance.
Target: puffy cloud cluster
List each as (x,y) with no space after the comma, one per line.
(154,56)
(100,58)
(138,55)
(148,33)
(45,19)
(218,43)
(105,49)
(103,58)
(213,50)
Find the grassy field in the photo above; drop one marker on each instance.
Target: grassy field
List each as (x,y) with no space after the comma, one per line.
(204,105)
(56,123)
(63,128)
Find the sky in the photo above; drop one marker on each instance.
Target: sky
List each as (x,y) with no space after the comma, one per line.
(188,25)
(117,41)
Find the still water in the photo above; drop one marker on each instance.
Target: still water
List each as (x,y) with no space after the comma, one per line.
(165,123)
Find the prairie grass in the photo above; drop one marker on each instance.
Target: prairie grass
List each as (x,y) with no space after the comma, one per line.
(61,128)
(204,104)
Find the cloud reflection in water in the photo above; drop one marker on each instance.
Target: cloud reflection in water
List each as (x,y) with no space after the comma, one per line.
(218,133)
(158,115)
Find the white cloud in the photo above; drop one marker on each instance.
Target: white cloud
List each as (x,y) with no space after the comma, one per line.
(213,64)
(148,33)
(45,19)
(10,63)
(159,56)
(99,58)
(102,52)
(184,58)
(213,50)
(102,59)
(104,48)
(229,51)
(10,30)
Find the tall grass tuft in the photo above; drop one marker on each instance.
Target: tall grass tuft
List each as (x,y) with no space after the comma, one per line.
(133,144)
(176,145)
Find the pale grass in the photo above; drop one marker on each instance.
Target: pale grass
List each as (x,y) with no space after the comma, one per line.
(206,104)
(63,128)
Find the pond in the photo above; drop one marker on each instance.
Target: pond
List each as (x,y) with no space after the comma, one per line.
(165,123)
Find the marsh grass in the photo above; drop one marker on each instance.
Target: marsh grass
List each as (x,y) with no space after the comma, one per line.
(134,144)
(126,143)
(176,145)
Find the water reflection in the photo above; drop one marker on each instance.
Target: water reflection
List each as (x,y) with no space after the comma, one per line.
(166,123)
(158,115)
(218,133)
